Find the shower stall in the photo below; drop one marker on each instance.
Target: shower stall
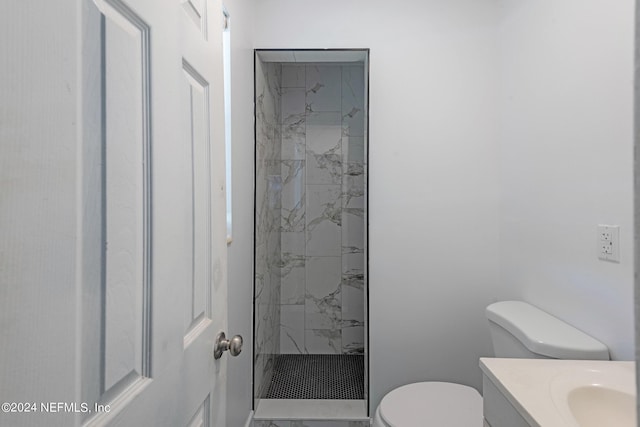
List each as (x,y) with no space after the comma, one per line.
(310,254)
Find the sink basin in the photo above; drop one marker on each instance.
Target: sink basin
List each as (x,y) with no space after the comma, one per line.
(596,397)
(601,406)
(559,393)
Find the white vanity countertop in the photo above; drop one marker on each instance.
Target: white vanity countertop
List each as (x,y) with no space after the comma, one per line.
(527,384)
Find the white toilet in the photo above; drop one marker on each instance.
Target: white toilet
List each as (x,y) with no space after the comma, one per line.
(518,330)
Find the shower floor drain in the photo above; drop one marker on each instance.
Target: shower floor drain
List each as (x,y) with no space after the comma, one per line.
(317,376)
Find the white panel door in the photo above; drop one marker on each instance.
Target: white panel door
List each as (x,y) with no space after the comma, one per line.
(136,292)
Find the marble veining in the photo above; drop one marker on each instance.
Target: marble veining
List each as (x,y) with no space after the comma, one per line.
(292,274)
(294,138)
(352,249)
(324,87)
(327,135)
(323,312)
(353,211)
(354,149)
(353,339)
(354,169)
(310,196)
(293,195)
(353,229)
(326,167)
(316,88)
(323,341)
(269,187)
(353,100)
(355,280)
(293,217)
(323,132)
(324,220)
(324,205)
(291,334)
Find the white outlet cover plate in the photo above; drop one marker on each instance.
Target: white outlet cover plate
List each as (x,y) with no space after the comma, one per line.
(608,236)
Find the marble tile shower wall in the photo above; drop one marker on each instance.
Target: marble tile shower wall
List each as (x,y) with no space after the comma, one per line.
(267,223)
(322,206)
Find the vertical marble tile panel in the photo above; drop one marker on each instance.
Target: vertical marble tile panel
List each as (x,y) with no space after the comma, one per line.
(258,373)
(294,145)
(263,291)
(292,268)
(323,220)
(352,302)
(267,221)
(274,197)
(324,85)
(293,195)
(274,79)
(323,341)
(353,100)
(352,230)
(264,353)
(353,186)
(293,104)
(264,315)
(353,340)
(324,168)
(324,149)
(323,132)
(268,96)
(352,307)
(273,346)
(293,75)
(293,126)
(353,270)
(323,300)
(292,329)
(353,149)
(310,181)
(262,139)
(271,299)
(353,192)
(277,141)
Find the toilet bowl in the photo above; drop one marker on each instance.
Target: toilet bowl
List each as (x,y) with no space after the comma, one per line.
(430,404)
(517,330)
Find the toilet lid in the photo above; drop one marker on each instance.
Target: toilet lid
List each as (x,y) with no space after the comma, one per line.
(438,403)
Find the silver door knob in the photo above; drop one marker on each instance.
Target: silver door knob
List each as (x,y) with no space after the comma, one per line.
(234,345)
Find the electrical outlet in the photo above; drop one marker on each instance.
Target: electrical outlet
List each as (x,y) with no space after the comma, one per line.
(608,242)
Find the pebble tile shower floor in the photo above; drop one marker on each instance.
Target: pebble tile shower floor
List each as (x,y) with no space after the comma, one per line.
(317,376)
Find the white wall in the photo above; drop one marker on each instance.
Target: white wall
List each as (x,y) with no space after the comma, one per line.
(566,121)
(240,292)
(500,136)
(433,189)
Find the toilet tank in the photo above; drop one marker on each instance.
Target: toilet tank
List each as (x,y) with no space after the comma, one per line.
(521,330)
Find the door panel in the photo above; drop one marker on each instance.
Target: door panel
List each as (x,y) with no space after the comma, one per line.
(198,310)
(197,12)
(126,199)
(134,243)
(163,135)
(201,418)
